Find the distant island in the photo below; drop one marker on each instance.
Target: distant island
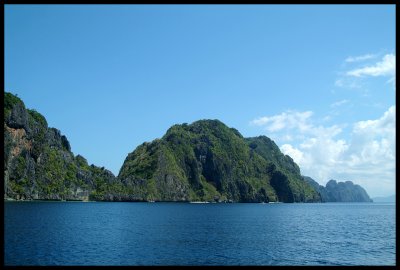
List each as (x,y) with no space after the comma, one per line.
(391,198)
(339,191)
(205,161)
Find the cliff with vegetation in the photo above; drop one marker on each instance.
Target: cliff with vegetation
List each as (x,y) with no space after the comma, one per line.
(38,162)
(208,161)
(339,191)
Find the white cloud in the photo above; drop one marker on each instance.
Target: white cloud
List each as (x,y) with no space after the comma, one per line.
(294,153)
(359,58)
(386,67)
(286,120)
(382,126)
(339,103)
(356,77)
(367,158)
(349,82)
(374,140)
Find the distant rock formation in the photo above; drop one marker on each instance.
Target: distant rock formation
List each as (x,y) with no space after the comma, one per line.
(391,198)
(339,191)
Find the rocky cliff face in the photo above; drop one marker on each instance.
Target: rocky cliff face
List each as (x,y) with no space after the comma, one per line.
(339,191)
(38,162)
(320,189)
(285,173)
(209,161)
(346,192)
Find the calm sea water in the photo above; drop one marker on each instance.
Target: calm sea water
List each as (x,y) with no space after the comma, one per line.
(94,233)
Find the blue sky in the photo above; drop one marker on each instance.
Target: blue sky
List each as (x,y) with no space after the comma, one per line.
(319,80)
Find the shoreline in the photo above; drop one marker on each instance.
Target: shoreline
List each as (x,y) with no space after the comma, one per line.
(43,200)
(191,202)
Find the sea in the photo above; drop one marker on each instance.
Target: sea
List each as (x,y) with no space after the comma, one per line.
(191,234)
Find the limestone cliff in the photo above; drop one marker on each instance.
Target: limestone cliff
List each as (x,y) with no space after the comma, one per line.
(38,162)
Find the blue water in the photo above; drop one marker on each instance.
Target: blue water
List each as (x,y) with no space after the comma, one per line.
(79,233)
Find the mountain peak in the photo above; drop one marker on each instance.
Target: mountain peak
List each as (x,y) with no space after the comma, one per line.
(206,160)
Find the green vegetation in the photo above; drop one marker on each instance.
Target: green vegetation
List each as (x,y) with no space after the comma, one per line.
(38,118)
(10,101)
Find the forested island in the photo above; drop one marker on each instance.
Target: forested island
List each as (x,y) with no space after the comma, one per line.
(203,161)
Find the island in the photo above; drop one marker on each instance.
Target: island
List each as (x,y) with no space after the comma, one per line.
(205,161)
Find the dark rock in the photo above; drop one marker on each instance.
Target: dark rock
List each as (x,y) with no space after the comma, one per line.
(53,138)
(18,117)
(65,143)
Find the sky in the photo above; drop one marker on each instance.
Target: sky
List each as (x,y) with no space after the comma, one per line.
(317,79)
